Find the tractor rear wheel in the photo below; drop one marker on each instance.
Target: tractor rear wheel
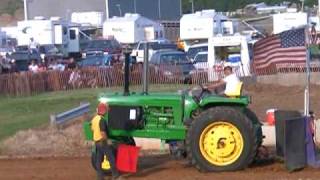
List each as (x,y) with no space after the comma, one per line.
(221,139)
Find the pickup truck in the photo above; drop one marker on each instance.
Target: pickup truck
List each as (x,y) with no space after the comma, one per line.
(137,53)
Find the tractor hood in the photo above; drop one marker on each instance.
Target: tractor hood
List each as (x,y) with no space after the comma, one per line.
(138,99)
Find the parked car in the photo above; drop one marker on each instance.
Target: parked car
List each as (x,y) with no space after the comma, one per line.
(194,49)
(103,47)
(5,51)
(155,45)
(173,64)
(49,51)
(200,61)
(98,60)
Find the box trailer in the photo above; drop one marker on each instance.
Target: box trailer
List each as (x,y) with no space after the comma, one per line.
(132,28)
(64,35)
(232,50)
(90,18)
(201,25)
(286,21)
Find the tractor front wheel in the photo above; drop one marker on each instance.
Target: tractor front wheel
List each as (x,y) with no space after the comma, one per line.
(221,139)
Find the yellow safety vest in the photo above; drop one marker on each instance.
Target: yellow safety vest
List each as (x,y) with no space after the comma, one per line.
(95,127)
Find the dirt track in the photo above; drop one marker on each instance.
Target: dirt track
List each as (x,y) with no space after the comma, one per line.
(156,167)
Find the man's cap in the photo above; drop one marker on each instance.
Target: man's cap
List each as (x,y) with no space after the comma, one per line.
(227,65)
(102,108)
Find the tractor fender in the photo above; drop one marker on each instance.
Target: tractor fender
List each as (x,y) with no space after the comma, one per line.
(223,101)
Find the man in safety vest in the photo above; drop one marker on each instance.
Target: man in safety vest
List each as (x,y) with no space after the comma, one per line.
(102,143)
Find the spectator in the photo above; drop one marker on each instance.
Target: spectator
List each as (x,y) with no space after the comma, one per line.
(42,67)
(72,64)
(56,66)
(33,67)
(33,46)
(75,78)
(13,66)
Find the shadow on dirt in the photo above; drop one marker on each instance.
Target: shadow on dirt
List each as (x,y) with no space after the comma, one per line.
(151,164)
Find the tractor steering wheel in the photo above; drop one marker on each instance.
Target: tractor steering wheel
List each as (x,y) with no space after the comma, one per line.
(203,88)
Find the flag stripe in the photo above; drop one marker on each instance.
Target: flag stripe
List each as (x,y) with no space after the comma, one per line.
(286,52)
(265,44)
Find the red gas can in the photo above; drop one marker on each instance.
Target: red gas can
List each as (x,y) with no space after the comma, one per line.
(270,118)
(127,158)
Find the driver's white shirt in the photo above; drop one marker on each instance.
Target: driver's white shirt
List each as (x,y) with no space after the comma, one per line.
(232,82)
(33,45)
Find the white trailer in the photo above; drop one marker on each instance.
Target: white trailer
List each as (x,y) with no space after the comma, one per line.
(132,28)
(286,21)
(238,42)
(91,18)
(201,25)
(64,35)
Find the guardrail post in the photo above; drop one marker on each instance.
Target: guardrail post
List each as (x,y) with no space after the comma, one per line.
(52,119)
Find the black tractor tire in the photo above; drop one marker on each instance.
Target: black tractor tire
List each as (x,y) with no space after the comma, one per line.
(221,115)
(257,125)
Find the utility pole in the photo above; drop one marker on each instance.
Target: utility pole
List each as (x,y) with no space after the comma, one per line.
(119,8)
(319,8)
(107,9)
(135,6)
(302,5)
(25,6)
(192,5)
(159,9)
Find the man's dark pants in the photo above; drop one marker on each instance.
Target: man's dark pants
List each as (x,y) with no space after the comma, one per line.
(104,149)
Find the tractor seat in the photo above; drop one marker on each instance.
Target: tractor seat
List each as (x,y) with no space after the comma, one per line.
(237,92)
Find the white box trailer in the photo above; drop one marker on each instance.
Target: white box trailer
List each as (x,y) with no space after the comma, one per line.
(239,42)
(90,18)
(64,35)
(201,25)
(43,31)
(286,21)
(132,28)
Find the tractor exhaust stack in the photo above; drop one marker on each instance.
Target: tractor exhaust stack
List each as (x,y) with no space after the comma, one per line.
(145,69)
(126,74)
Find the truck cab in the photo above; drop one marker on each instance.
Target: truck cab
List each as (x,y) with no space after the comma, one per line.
(228,49)
(154,45)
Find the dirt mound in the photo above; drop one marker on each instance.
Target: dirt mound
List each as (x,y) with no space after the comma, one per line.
(47,142)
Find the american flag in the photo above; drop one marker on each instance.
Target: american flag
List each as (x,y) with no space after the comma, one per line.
(287,47)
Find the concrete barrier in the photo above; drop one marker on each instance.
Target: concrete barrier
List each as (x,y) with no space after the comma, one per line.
(295,79)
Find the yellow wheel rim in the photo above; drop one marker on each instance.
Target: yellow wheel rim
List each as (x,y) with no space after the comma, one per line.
(221,143)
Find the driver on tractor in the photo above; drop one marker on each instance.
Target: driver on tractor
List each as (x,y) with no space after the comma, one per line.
(229,86)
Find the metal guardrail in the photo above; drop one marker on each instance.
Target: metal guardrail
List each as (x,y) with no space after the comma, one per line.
(71,114)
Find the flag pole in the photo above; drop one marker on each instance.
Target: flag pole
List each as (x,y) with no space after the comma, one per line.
(307,88)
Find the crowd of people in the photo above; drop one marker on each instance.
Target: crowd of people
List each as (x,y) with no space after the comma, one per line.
(53,64)
(10,65)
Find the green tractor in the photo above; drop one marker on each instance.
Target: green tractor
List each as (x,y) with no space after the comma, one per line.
(215,133)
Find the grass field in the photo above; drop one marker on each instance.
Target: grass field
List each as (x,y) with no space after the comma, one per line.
(29,112)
